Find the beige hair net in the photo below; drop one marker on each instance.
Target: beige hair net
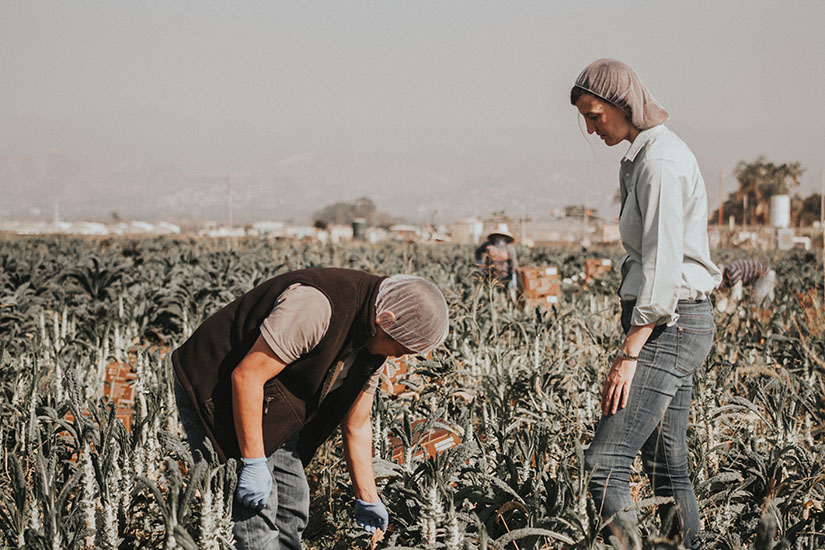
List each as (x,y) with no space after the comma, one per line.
(421,317)
(619,84)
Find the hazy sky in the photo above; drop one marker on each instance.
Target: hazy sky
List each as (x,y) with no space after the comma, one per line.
(206,89)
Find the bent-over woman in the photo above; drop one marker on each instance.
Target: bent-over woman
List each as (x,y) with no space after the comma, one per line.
(667,278)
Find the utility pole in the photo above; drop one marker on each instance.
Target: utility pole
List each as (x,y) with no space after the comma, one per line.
(228,203)
(522,224)
(744,210)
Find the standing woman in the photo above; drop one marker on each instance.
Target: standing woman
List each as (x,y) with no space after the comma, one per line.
(667,318)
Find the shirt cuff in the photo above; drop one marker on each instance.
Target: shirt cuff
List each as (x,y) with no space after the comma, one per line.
(645,315)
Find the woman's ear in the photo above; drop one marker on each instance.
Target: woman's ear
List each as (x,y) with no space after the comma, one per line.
(385,319)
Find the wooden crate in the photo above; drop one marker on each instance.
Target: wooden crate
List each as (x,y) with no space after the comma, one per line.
(396,369)
(596,267)
(120,386)
(426,445)
(393,369)
(538,286)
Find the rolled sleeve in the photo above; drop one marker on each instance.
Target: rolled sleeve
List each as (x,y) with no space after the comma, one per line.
(659,195)
(297,323)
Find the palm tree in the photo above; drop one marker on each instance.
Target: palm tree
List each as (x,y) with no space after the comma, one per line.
(758,182)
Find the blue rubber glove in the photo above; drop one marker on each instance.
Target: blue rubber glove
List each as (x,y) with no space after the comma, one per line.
(254,483)
(371,515)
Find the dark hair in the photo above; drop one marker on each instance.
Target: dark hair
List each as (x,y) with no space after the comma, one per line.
(576,93)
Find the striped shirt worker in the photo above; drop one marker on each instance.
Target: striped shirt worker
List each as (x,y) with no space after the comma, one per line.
(744,270)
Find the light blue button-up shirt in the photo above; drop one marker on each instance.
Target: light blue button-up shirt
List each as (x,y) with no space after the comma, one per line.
(664,228)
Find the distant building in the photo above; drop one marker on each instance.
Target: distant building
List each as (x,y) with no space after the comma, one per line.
(610,233)
(268,229)
(406,233)
(340,233)
(89,228)
(468,231)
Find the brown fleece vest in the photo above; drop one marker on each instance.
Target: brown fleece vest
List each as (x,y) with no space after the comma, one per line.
(292,400)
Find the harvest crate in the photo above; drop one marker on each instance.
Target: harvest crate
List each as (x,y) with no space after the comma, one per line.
(120,387)
(596,267)
(431,443)
(395,369)
(538,286)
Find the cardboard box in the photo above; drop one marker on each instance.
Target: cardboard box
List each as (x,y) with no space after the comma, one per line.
(393,369)
(538,283)
(396,369)
(596,267)
(430,443)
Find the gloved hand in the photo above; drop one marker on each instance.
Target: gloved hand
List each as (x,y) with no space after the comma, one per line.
(254,483)
(371,515)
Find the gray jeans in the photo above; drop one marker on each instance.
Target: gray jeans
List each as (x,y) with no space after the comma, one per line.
(281,523)
(654,421)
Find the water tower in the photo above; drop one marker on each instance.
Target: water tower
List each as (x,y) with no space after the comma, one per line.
(780,211)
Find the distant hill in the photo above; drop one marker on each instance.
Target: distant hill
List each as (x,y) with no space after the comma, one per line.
(175,169)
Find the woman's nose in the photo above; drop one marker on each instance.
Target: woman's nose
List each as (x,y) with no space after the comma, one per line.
(590,127)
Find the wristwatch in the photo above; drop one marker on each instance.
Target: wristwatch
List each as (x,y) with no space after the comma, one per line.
(626,356)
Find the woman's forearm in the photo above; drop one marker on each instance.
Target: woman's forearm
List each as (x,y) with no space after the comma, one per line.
(636,338)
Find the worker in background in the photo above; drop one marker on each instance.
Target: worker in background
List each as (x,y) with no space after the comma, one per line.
(497,256)
(746,272)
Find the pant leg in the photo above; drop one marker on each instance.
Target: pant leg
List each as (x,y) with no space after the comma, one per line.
(620,436)
(280,525)
(659,400)
(763,288)
(736,292)
(293,495)
(665,458)
(665,453)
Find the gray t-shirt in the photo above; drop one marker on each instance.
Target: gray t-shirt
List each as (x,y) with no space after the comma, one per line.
(297,323)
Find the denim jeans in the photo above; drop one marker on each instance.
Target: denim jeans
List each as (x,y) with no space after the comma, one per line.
(654,421)
(281,523)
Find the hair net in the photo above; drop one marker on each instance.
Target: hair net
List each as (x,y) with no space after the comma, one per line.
(619,84)
(421,317)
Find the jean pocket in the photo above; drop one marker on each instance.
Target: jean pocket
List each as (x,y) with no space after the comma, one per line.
(693,347)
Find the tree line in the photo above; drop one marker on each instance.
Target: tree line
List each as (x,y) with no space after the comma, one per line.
(760,180)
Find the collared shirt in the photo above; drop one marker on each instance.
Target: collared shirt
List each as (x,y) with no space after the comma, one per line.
(297,323)
(664,228)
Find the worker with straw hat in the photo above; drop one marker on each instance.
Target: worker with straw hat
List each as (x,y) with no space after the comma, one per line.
(497,256)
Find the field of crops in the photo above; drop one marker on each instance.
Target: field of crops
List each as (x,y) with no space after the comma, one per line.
(519,390)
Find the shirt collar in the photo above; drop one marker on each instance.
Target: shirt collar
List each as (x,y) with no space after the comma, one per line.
(641,140)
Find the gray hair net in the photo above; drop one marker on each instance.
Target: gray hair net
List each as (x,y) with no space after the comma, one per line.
(421,317)
(619,84)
